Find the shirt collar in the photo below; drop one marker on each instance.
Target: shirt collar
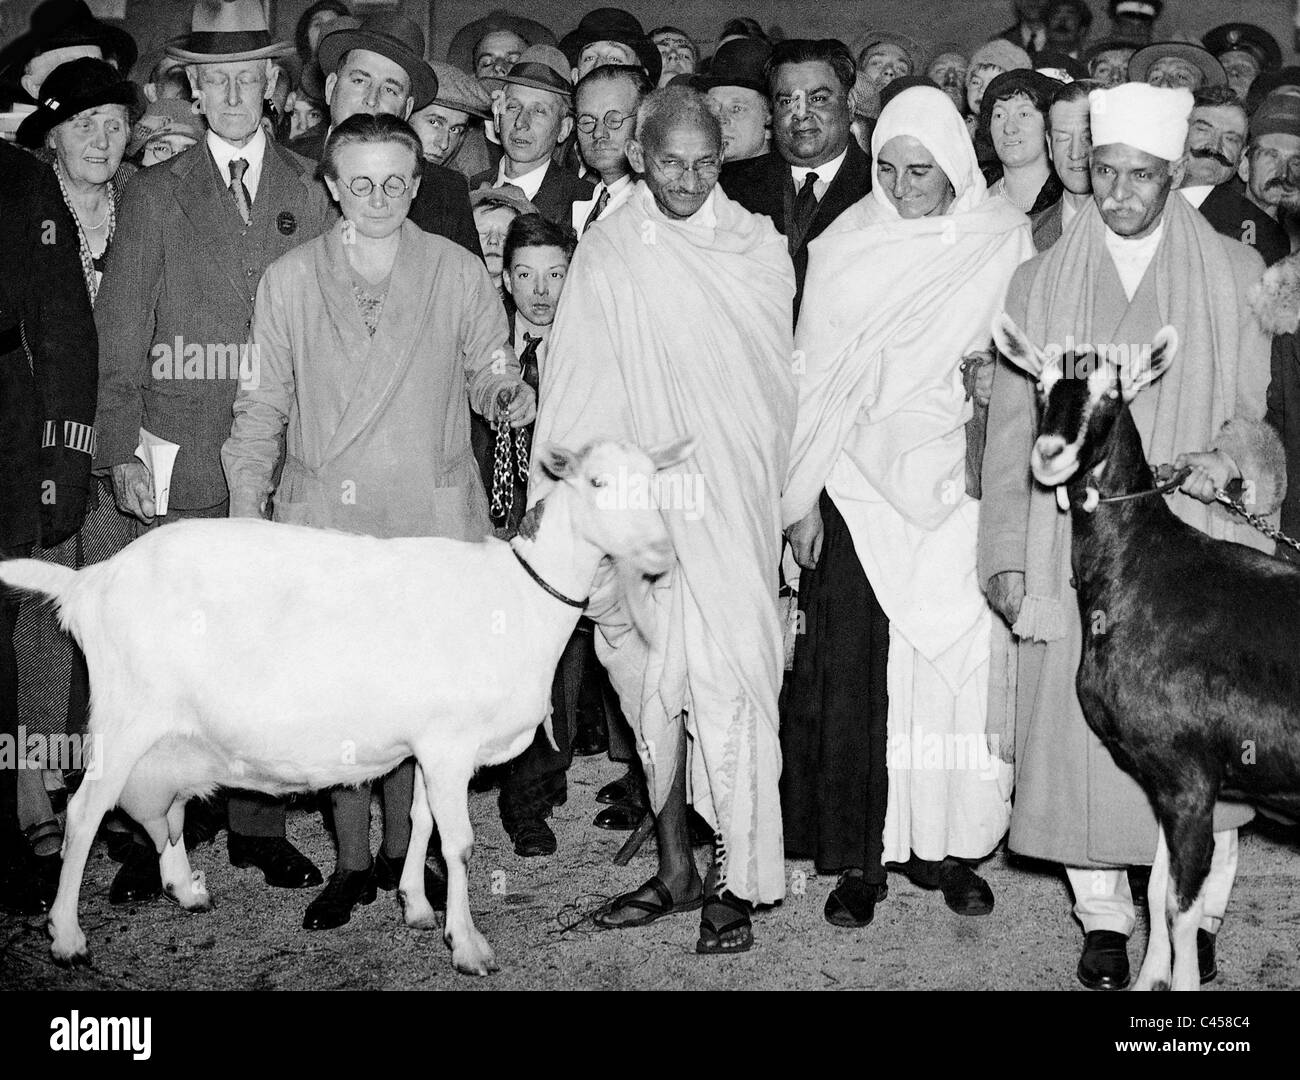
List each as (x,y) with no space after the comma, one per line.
(825,172)
(254,152)
(529,182)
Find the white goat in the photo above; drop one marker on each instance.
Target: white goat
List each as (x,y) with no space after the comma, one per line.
(279,659)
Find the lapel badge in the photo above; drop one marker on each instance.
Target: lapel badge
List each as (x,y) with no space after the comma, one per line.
(286,223)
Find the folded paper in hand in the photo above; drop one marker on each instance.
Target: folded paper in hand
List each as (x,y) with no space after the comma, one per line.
(159,455)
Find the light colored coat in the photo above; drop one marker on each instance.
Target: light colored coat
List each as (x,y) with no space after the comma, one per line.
(377,428)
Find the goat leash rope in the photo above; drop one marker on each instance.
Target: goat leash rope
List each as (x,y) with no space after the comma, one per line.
(581,605)
(1168,479)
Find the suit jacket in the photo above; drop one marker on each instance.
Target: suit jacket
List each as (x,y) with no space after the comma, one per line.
(765,185)
(555,198)
(1232,214)
(1284,401)
(48,357)
(441,206)
(176,304)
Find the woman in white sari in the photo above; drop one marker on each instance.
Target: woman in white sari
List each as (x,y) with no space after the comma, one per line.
(901,289)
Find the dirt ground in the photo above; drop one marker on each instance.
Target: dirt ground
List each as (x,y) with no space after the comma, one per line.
(531,911)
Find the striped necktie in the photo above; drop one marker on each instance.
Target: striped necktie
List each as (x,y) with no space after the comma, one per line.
(601,203)
(243,201)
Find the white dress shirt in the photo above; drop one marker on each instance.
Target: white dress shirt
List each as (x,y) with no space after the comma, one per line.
(223,153)
(619,190)
(825,174)
(1197,193)
(1132,257)
(529,182)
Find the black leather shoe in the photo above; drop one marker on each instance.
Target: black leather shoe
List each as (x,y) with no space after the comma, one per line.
(853,901)
(533,837)
(138,878)
(283,864)
(1205,961)
(964,891)
(621,817)
(388,875)
(1104,963)
(591,738)
(345,890)
(203,820)
(22,890)
(624,789)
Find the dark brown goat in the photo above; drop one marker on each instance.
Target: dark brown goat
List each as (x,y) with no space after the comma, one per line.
(1191,646)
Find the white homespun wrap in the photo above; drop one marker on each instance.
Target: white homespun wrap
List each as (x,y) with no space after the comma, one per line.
(891,307)
(669,328)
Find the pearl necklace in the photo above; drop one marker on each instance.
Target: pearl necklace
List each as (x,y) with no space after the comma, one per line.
(83,242)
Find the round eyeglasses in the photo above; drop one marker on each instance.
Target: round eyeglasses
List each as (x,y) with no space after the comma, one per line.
(394,187)
(613,120)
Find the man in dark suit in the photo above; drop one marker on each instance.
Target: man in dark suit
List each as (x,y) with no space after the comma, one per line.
(47,406)
(1216,142)
(176,305)
(536,116)
(379,67)
(817,170)
(1030,28)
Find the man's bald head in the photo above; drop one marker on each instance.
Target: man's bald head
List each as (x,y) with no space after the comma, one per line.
(673,108)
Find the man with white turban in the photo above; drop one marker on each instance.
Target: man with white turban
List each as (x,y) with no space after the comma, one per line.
(901,288)
(1128,264)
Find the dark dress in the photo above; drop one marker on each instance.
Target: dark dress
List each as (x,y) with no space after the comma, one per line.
(834,781)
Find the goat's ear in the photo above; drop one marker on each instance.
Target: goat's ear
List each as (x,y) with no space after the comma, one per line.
(1145,369)
(1013,344)
(668,454)
(556,461)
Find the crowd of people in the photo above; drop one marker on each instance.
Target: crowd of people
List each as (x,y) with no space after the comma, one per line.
(354,287)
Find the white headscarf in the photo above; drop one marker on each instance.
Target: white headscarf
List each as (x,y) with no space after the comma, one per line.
(928,115)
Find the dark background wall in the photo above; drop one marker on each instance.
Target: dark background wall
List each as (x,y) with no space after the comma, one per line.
(966,21)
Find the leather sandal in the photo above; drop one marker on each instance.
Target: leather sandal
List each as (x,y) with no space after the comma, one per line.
(651,911)
(711,930)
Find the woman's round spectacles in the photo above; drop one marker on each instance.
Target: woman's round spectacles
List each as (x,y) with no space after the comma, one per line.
(394,187)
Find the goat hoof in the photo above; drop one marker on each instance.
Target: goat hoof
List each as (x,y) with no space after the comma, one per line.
(73,959)
(420,916)
(474,956)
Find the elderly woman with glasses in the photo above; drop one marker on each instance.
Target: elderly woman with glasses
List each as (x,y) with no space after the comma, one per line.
(364,342)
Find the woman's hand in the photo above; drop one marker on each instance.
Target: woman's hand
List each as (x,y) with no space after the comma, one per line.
(1212,471)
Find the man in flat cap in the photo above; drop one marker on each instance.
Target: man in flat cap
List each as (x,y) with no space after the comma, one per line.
(379,67)
(534,116)
(194,235)
(1216,145)
(451,126)
(1245,51)
(1176,63)
(1133,261)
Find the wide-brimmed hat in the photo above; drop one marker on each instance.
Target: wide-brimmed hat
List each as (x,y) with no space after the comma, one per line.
(224,33)
(916,51)
(390,35)
(459,91)
(62,24)
(738,62)
(461,51)
(1142,61)
(617,25)
(543,67)
(1248,38)
(84,83)
(166,116)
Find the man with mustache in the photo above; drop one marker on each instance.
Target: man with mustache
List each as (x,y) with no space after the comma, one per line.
(1271,165)
(1216,142)
(1132,262)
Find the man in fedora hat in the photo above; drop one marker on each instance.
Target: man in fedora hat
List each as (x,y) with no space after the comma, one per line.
(534,116)
(194,235)
(379,67)
(737,86)
(488,46)
(1171,64)
(1245,51)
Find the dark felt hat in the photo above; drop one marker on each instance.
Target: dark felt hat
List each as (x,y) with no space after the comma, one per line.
(461,51)
(1265,84)
(62,24)
(84,83)
(1142,61)
(542,67)
(391,35)
(738,62)
(614,24)
(227,33)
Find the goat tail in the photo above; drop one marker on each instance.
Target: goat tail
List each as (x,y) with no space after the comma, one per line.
(33,575)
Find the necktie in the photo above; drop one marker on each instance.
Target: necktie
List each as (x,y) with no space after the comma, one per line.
(805,206)
(243,201)
(528,360)
(601,203)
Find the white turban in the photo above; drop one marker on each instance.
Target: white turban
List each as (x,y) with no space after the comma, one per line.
(1148,118)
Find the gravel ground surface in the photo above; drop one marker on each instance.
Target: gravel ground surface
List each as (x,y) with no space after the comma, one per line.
(528,908)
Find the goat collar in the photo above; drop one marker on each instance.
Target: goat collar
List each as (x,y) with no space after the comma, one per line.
(1166,480)
(581,605)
